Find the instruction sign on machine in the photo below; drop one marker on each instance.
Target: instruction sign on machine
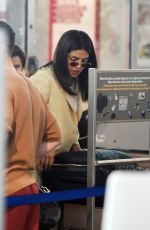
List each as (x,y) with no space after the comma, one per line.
(123,96)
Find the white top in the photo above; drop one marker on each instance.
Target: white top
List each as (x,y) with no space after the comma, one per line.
(75,103)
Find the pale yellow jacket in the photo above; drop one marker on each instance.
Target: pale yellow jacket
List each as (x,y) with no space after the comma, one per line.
(61,106)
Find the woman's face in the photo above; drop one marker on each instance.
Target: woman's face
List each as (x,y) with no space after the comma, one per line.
(76,62)
(17,63)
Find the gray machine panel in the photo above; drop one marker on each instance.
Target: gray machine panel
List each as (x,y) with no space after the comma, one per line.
(125,135)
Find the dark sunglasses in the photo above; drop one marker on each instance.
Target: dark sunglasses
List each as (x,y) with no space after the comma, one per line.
(75,63)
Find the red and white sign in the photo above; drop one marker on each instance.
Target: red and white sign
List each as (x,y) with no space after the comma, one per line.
(73,14)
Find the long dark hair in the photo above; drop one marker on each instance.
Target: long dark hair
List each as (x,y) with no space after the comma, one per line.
(17,51)
(9,36)
(70,41)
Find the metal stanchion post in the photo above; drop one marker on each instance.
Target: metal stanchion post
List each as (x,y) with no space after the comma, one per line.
(91,146)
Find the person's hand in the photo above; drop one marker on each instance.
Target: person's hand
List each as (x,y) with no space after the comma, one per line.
(45,161)
(75,148)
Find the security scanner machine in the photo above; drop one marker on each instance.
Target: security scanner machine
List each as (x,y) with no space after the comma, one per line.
(115,97)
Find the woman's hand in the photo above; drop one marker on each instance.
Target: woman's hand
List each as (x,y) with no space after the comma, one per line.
(46,155)
(75,148)
(44,162)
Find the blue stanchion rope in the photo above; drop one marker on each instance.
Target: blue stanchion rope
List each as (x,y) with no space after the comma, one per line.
(55,196)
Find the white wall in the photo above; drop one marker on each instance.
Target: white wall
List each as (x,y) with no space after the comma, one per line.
(114,34)
(38,30)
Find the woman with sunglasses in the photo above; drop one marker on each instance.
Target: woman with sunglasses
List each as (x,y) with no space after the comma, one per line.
(64,84)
